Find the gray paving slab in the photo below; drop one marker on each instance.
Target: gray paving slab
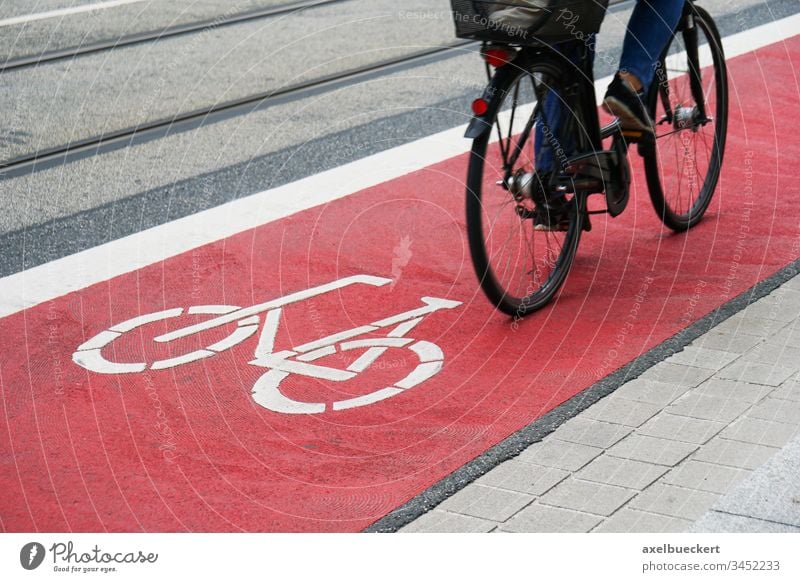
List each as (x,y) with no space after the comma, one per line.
(586,431)
(674,501)
(651,391)
(522,477)
(789,390)
(677,374)
(617,410)
(538,518)
(755,326)
(705,407)
(560,454)
(621,472)
(705,476)
(708,358)
(786,411)
(681,428)
(776,355)
(734,453)
(727,342)
(633,521)
(588,497)
(744,391)
(755,373)
(650,449)
(761,432)
(438,521)
(486,503)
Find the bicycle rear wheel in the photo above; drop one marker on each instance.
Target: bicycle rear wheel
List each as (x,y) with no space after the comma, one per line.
(689,104)
(520,269)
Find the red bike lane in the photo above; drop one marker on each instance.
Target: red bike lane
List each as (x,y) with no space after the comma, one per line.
(235,438)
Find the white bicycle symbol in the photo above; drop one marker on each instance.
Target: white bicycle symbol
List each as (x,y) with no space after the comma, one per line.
(282,364)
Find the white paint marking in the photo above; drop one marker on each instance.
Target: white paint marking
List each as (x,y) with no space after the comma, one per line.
(303,369)
(428,352)
(404,328)
(420,374)
(316,355)
(180,360)
(61,12)
(101,340)
(431,304)
(145,319)
(266,394)
(212,309)
(239,335)
(57,278)
(266,343)
(273,304)
(335,338)
(367,399)
(94,361)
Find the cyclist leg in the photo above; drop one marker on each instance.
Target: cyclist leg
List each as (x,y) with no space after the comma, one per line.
(650,28)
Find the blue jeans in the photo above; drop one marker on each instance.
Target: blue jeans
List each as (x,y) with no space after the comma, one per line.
(649,30)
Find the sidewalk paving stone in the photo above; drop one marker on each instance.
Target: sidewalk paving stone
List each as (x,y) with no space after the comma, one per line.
(588,497)
(486,503)
(705,476)
(677,374)
(703,358)
(757,326)
(621,472)
(734,453)
(523,477)
(594,433)
(755,373)
(617,410)
(438,521)
(718,387)
(775,308)
(674,501)
(542,519)
(786,411)
(788,336)
(633,521)
(761,432)
(705,407)
(775,355)
(681,428)
(727,342)
(559,454)
(651,391)
(661,451)
(789,390)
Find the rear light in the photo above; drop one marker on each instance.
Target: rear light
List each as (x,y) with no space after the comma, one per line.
(497,56)
(480,106)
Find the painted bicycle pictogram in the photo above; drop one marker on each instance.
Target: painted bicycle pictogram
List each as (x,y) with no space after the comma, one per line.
(296,361)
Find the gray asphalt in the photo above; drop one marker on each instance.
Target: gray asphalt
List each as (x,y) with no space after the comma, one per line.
(149,16)
(61,210)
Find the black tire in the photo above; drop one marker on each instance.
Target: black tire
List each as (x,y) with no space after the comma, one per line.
(681,181)
(537,262)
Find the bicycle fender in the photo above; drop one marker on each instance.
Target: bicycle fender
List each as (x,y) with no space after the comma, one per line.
(481,125)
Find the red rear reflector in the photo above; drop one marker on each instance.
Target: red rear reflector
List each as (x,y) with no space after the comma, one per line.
(497,57)
(480,106)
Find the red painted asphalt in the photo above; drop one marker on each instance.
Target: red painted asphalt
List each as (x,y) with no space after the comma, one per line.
(189,448)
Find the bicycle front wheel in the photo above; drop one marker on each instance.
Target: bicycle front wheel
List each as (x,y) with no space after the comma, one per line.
(520,267)
(689,104)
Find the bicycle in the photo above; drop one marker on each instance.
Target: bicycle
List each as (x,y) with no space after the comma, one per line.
(521,269)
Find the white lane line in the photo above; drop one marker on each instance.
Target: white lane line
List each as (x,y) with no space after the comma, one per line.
(49,281)
(65,12)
